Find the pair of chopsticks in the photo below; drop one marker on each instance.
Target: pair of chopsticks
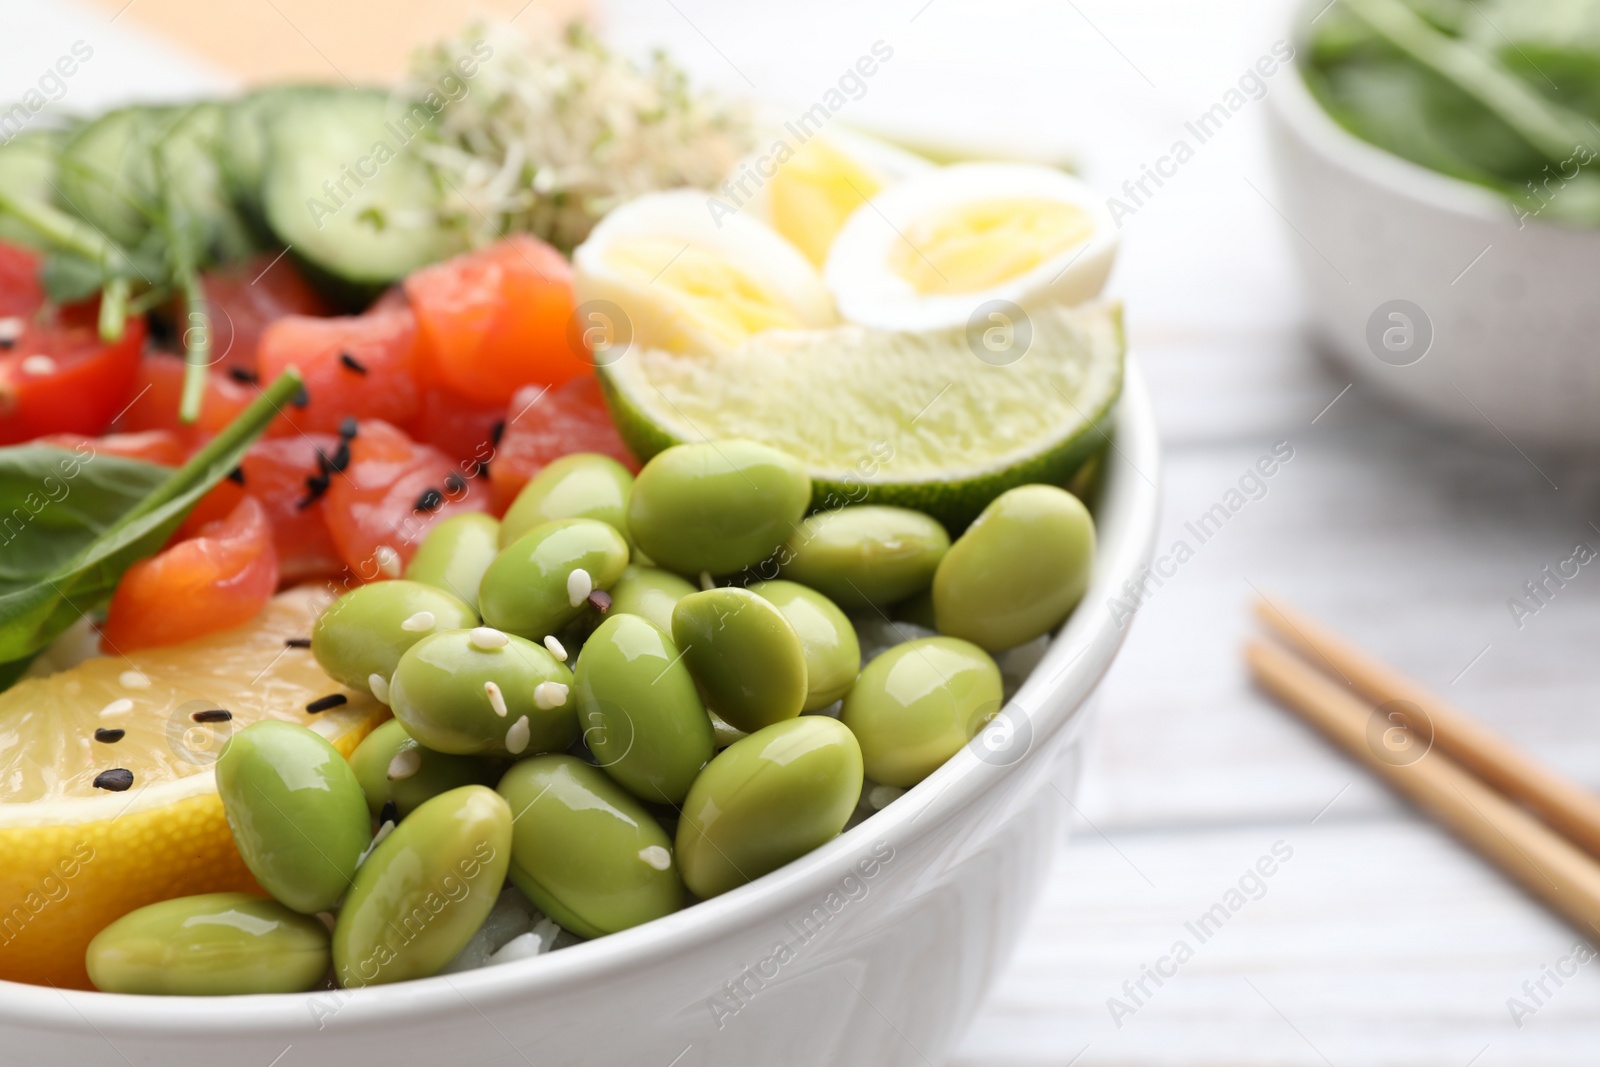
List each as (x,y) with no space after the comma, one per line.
(1538,827)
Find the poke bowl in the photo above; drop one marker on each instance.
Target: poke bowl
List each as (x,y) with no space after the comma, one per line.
(658,629)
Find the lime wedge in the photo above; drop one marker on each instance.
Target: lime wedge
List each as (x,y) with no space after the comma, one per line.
(933,421)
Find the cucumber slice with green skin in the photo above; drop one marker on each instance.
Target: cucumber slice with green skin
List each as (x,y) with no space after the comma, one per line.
(108,175)
(27,169)
(344,189)
(242,149)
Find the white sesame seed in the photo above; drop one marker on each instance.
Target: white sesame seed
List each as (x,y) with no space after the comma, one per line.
(517,737)
(116,707)
(557,649)
(388,561)
(38,365)
(881,796)
(421,622)
(11,328)
(379,686)
(497,699)
(133,680)
(579,586)
(487,638)
(656,856)
(547,695)
(406,762)
(706,581)
(377,839)
(522,947)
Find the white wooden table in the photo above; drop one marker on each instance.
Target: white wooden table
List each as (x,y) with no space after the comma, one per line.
(1378,941)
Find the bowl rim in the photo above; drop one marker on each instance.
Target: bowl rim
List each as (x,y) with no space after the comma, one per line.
(1128,509)
(1293,104)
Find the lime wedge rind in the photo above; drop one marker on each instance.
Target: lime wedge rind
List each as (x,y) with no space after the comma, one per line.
(912,419)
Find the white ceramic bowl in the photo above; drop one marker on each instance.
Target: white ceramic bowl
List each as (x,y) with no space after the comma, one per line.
(1509,303)
(873,950)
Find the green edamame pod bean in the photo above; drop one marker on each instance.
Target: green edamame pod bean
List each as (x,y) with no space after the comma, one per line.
(866,556)
(767,800)
(543,580)
(391,766)
(425,890)
(1019,569)
(584,485)
(917,704)
(717,506)
(585,851)
(364,633)
(214,944)
(481,692)
(746,656)
(296,811)
(833,653)
(455,554)
(641,715)
(650,592)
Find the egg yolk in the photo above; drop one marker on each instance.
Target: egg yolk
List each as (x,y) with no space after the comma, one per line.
(983,243)
(707,289)
(813,193)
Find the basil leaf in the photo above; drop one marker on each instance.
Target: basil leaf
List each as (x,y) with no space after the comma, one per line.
(74,551)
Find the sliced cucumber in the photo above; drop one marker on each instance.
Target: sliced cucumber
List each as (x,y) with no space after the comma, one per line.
(27,168)
(346,192)
(107,171)
(242,150)
(108,174)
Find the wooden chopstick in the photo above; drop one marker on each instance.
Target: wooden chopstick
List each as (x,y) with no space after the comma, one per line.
(1543,862)
(1561,802)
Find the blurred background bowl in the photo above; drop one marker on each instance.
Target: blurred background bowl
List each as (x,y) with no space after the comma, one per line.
(1430,289)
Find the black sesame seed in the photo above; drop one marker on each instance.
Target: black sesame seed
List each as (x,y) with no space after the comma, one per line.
(348,427)
(351,363)
(430,500)
(482,471)
(601,600)
(301,398)
(497,431)
(332,700)
(244,375)
(116,779)
(316,485)
(390,812)
(339,461)
(236,476)
(298,642)
(8,343)
(109,737)
(454,483)
(213,715)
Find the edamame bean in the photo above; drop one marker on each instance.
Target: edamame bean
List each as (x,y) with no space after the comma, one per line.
(296,811)
(746,656)
(484,693)
(866,556)
(391,766)
(917,704)
(455,554)
(586,852)
(833,654)
(767,800)
(213,944)
(425,889)
(650,592)
(716,506)
(584,485)
(1019,569)
(641,715)
(364,633)
(543,580)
